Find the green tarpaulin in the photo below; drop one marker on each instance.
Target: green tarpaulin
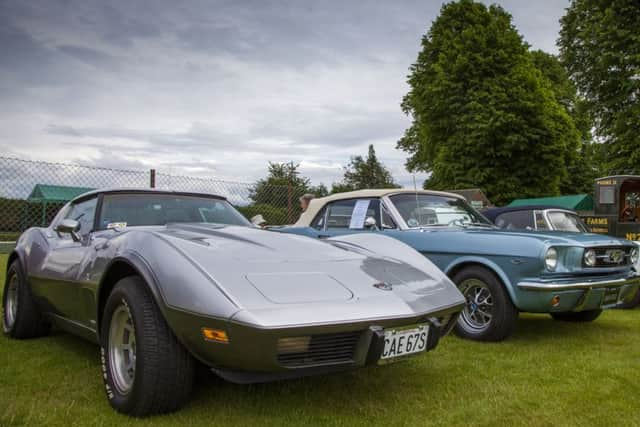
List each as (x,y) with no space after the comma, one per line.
(577,202)
(55,193)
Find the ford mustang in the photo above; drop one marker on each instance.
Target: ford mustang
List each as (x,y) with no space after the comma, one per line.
(572,276)
(164,279)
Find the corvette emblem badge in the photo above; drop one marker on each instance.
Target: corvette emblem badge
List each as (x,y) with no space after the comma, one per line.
(384,286)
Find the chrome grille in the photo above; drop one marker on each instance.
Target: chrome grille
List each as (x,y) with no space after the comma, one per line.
(322,349)
(614,256)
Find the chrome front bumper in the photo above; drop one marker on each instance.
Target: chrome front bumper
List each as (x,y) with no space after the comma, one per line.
(591,284)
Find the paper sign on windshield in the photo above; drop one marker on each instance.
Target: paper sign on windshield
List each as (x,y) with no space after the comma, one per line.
(359,214)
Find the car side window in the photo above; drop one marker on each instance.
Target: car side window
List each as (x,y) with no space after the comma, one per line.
(387,219)
(318,221)
(83,212)
(518,220)
(541,222)
(352,213)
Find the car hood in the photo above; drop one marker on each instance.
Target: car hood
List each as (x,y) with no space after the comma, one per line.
(484,236)
(560,237)
(284,279)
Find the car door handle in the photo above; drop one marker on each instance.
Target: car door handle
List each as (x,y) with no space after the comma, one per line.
(324,236)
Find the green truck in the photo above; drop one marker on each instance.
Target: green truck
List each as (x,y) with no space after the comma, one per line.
(616,207)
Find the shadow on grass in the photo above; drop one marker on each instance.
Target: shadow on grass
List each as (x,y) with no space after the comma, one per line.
(66,342)
(536,326)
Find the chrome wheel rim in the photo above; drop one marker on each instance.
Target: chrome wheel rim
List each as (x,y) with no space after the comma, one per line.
(122,349)
(478,311)
(11,302)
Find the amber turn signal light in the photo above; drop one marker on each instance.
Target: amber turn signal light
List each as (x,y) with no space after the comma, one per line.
(216,335)
(555,301)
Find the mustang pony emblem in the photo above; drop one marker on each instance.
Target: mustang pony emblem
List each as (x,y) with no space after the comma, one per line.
(384,286)
(615,256)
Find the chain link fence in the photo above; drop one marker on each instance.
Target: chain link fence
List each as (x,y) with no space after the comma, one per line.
(32,192)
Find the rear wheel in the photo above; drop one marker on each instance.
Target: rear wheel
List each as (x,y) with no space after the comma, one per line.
(20,316)
(578,316)
(146,369)
(489,314)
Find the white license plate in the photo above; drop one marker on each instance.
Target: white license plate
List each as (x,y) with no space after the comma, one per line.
(404,341)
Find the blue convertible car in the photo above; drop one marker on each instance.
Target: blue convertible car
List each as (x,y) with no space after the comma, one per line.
(572,276)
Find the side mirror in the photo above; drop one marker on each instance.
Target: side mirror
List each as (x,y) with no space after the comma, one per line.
(258,221)
(69,226)
(370,222)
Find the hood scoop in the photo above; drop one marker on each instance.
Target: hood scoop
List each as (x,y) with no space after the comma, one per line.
(297,288)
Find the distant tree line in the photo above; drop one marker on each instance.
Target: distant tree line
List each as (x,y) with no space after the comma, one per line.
(276,197)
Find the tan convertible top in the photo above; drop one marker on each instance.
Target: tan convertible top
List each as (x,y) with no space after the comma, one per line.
(317,204)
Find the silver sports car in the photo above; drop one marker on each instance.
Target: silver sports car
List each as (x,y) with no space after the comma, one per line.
(164,279)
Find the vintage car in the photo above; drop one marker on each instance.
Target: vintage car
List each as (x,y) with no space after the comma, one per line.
(544,218)
(572,276)
(616,209)
(161,279)
(533,217)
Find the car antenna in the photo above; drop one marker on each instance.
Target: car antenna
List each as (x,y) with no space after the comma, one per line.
(415,189)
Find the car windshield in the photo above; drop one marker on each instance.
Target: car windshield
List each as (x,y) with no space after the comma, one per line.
(135,209)
(565,221)
(426,210)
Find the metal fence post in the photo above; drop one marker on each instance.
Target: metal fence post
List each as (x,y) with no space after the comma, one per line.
(289,203)
(152,178)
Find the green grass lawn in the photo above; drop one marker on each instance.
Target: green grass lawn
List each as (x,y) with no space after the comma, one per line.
(548,374)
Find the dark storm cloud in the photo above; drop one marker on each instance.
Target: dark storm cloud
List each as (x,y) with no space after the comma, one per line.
(221,86)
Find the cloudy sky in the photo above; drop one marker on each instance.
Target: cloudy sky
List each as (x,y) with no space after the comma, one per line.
(217,88)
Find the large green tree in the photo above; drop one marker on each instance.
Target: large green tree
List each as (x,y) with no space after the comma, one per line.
(483,114)
(600,46)
(362,173)
(582,163)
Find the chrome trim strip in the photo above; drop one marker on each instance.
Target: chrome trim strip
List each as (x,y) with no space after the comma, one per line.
(550,286)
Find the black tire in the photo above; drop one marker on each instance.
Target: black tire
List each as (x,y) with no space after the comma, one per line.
(25,320)
(163,368)
(504,314)
(577,316)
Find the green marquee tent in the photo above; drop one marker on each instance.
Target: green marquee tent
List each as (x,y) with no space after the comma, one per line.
(577,202)
(53,194)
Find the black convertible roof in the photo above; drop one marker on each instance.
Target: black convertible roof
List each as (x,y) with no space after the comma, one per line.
(492,213)
(145,191)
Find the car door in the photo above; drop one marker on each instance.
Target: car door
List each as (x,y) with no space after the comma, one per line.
(60,277)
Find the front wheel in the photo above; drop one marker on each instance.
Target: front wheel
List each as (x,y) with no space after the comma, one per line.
(145,368)
(578,316)
(20,316)
(489,314)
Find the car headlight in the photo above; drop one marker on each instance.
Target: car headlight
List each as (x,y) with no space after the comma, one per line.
(635,255)
(551,259)
(590,258)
